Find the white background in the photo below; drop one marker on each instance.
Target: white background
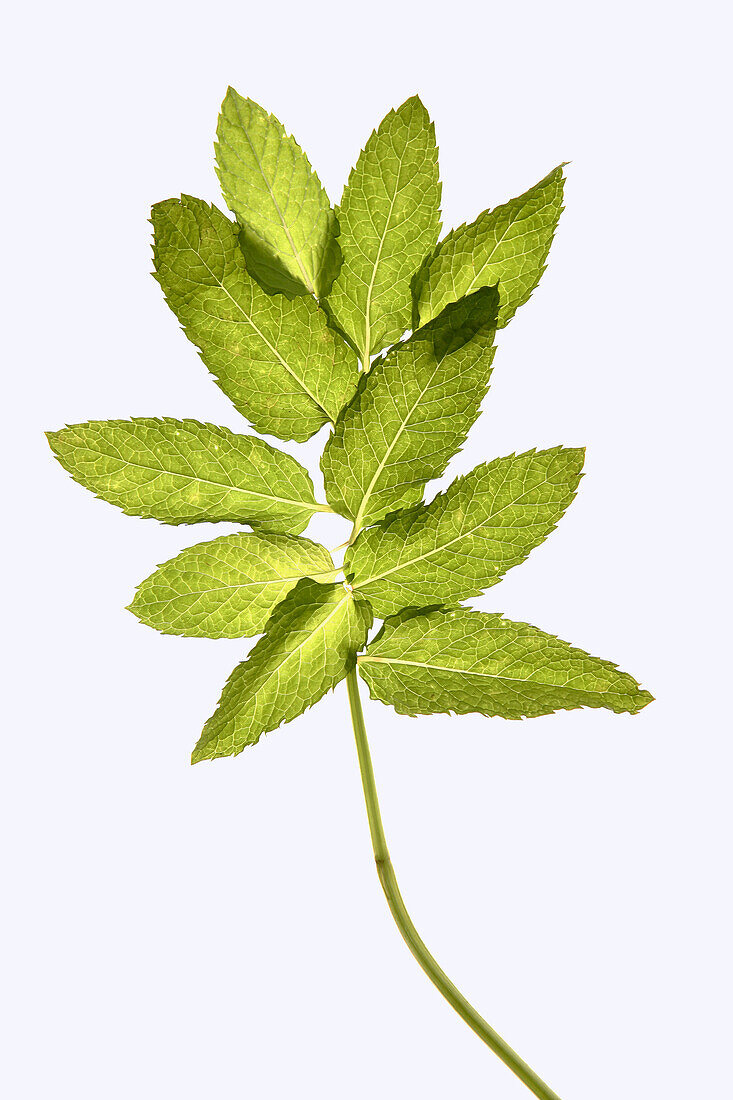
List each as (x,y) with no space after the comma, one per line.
(218,931)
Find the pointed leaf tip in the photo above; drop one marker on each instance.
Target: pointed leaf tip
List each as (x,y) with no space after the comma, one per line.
(275,358)
(183,471)
(311,642)
(508,244)
(389,219)
(229,587)
(468,537)
(289,230)
(468,662)
(411,413)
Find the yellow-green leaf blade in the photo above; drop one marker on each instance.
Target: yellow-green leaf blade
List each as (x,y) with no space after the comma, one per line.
(411,413)
(471,662)
(389,218)
(269,185)
(275,358)
(228,588)
(182,471)
(467,538)
(508,245)
(311,642)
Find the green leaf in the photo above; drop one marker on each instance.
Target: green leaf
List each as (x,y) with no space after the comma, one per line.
(311,642)
(411,413)
(508,245)
(468,661)
(469,536)
(228,588)
(289,227)
(390,220)
(181,471)
(276,359)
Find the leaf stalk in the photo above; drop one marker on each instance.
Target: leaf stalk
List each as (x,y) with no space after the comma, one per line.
(403,920)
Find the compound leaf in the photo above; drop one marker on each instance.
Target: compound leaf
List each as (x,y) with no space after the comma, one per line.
(289,229)
(468,661)
(275,358)
(390,220)
(411,412)
(469,536)
(310,644)
(182,471)
(508,245)
(228,588)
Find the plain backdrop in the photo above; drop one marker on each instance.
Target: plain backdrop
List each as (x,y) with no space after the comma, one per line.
(219,931)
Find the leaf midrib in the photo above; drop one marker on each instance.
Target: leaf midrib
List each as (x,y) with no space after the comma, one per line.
(359,518)
(292,652)
(308,281)
(248,318)
(366,352)
(197,593)
(450,542)
(490,257)
(486,675)
(224,485)
(497,243)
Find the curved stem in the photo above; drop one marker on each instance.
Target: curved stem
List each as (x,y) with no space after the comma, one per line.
(402,918)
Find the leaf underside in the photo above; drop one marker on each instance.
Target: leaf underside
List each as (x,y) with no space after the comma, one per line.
(468,537)
(228,588)
(182,471)
(311,642)
(276,359)
(411,413)
(389,218)
(469,661)
(507,245)
(289,229)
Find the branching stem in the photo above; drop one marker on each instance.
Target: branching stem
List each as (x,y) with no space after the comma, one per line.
(402,917)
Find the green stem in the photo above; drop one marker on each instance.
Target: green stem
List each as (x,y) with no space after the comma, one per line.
(402,918)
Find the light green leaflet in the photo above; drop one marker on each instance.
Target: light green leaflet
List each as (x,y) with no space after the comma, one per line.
(228,588)
(469,536)
(181,471)
(468,661)
(390,220)
(508,245)
(311,642)
(411,413)
(275,358)
(289,228)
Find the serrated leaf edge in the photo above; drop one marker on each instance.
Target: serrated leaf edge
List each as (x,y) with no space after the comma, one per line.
(498,617)
(403,513)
